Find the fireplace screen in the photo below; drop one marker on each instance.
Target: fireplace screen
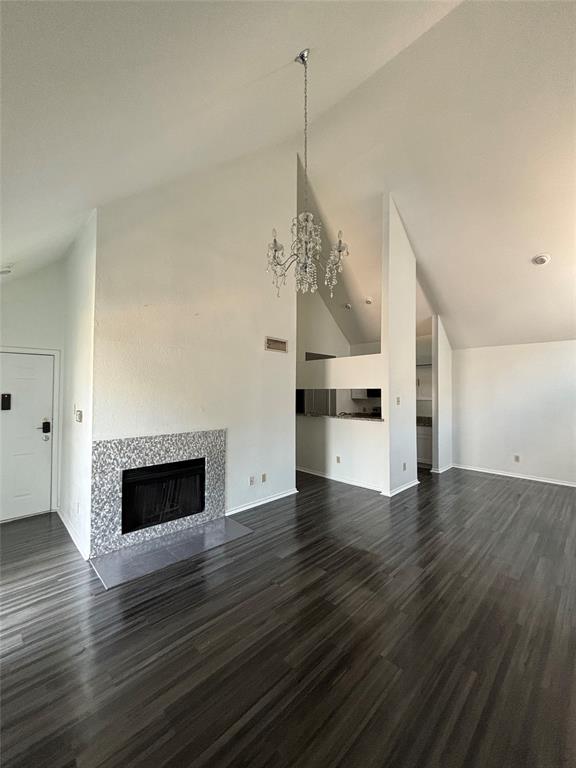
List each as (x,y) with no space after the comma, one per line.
(163,492)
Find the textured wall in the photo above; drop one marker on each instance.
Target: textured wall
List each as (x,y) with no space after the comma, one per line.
(78,380)
(183,305)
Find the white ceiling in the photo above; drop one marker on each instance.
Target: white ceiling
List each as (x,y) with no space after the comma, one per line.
(472,130)
(104,99)
(466,115)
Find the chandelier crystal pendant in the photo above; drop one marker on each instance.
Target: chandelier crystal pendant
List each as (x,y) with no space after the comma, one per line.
(306,249)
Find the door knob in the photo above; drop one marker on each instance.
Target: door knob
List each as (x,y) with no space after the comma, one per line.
(46,426)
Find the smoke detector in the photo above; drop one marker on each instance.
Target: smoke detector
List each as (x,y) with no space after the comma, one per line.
(541,259)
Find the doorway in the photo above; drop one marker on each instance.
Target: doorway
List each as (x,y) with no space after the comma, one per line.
(27,387)
(424,381)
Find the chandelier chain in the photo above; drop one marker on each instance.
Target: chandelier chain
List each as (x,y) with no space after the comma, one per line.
(305,134)
(306,116)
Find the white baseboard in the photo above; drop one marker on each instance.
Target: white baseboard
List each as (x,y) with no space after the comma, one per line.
(485,471)
(442,469)
(339,479)
(402,488)
(259,502)
(26,517)
(73,533)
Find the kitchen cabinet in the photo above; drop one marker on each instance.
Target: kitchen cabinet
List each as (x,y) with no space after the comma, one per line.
(424,382)
(365,394)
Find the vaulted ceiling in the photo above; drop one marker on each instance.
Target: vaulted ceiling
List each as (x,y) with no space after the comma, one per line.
(465,113)
(472,130)
(104,99)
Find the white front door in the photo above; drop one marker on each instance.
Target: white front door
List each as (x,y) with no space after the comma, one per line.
(26,385)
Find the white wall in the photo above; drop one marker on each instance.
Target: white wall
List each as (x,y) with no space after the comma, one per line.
(378,462)
(366,348)
(358,372)
(32,309)
(317,329)
(32,314)
(518,399)
(442,398)
(360,445)
(399,344)
(76,472)
(183,304)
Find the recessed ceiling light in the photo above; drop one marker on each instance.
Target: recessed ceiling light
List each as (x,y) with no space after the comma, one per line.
(541,259)
(6,269)
(369,299)
(347,306)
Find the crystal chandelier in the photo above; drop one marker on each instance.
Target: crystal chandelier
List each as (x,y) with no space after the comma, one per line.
(306,250)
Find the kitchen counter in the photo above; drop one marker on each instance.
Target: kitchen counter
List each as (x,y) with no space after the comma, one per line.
(347,417)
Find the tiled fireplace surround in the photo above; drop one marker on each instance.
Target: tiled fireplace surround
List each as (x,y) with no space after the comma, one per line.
(111,457)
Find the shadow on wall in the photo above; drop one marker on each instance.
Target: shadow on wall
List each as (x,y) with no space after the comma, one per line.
(357,319)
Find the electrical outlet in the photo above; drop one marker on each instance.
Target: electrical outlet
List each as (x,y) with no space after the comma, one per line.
(79,416)
(397,401)
(252,480)
(404,466)
(517,458)
(338,460)
(263,477)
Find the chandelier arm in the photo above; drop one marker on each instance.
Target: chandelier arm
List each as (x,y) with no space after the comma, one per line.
(292,260)
(283,264)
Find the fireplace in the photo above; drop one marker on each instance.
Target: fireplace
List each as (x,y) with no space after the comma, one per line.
(112,495)
(161,493)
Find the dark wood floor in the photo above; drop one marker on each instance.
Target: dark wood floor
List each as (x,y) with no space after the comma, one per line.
(435,629)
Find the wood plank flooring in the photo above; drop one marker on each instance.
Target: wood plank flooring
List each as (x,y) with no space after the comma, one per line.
(434,629)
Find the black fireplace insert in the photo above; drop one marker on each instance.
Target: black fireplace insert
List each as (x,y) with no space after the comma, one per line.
(161,493)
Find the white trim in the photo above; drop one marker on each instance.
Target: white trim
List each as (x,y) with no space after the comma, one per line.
(568,483)
(442,469)
(74,535)
(56,416)
(435,410)
(25,517)
(402,488)
(259,502)
(340,479)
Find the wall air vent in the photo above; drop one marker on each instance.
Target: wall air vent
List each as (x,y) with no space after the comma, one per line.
(275,345)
